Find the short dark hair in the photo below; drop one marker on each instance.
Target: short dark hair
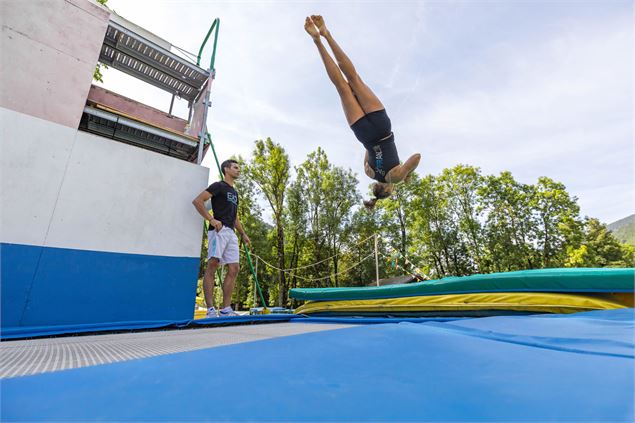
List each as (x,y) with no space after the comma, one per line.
(227,164)
(380,191)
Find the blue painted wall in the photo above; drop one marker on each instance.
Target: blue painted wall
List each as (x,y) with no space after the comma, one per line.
(43,286)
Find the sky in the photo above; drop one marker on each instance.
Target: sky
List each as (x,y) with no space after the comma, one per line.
(537,88)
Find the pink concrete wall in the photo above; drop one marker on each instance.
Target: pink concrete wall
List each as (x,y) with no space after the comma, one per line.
(134,108)
(49,51)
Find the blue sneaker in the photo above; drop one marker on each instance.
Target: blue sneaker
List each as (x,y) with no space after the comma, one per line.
(211,312)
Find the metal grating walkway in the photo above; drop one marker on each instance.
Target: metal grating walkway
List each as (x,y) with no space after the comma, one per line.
(144,59)
(20,358)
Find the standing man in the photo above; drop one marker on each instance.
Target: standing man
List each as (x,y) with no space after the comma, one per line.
(223,243)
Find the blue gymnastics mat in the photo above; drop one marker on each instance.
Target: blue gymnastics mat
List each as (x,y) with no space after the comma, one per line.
(508,368)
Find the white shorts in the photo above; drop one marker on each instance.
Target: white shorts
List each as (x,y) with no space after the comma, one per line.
(223,245)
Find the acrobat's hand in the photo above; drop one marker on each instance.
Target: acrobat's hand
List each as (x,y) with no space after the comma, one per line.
(246,240)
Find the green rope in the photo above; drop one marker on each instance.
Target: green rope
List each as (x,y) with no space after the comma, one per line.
(211,144)
(253,272)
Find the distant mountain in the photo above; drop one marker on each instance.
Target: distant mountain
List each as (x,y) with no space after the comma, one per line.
(624,229)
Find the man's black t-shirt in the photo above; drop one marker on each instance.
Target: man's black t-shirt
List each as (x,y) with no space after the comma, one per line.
(224,203)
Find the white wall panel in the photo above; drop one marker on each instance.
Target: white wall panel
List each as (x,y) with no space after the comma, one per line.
(120,198)
(33,158)
(65,188)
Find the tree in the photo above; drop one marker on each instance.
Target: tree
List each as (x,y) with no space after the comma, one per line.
(437,242)
(320,206)
(463,184)
(599,248)
(364,226)
(296,226)
(395,214)
(339,197)
(557,220)
(311,176)
(457,223)
(509,227)
(269,169)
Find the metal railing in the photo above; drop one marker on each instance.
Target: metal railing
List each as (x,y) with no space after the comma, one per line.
(215,25)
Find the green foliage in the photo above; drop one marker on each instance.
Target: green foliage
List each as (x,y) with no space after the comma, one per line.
(324,197)
(269,170)
(459,222)
(509,226)
(97,75)
(599,248)
(557,222)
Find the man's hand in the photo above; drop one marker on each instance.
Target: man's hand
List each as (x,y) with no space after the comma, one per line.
(217,224)
(246,240)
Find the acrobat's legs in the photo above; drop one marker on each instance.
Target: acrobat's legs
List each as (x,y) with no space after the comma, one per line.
(352,108)
(365,96)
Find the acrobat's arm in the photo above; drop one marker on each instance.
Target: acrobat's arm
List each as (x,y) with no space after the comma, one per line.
(399,173)
(367,169)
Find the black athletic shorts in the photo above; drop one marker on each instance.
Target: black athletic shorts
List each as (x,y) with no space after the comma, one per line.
(372,127)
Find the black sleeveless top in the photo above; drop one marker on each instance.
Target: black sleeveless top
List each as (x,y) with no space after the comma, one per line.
(382,157)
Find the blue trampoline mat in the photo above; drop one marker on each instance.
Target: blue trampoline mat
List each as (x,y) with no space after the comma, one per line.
(21,332)
(521,368)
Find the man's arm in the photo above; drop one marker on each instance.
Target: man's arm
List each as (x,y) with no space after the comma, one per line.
(199,205)
(242,232)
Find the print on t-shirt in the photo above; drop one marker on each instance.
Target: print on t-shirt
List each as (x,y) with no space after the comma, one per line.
(224,203)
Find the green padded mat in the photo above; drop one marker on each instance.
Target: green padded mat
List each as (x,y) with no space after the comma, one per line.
(538,280)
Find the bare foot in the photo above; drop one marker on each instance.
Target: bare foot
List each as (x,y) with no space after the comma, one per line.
(310,28)
(318,20)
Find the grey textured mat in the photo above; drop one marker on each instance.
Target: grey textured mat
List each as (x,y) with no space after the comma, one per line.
(19,358)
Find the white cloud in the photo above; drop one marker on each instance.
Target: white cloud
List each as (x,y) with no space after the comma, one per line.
(556,109)
(538,89)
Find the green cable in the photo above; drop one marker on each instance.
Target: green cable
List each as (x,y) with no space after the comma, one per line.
(211,144)
(253,272)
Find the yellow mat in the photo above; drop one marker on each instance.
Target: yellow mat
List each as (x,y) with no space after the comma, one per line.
(541,302)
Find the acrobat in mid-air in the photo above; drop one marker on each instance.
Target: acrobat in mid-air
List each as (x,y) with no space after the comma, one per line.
(366,115)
